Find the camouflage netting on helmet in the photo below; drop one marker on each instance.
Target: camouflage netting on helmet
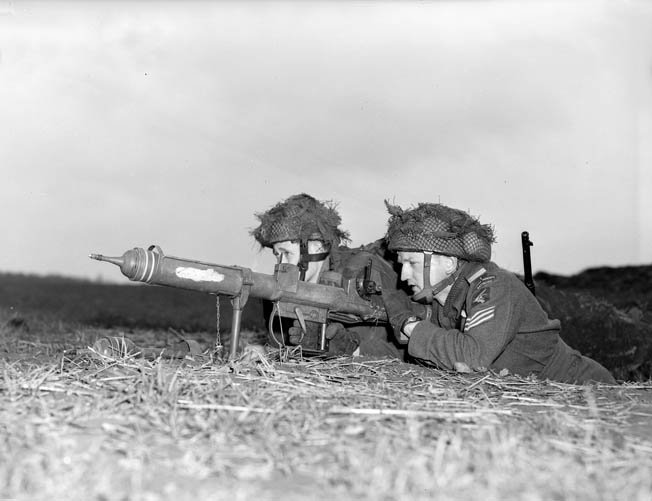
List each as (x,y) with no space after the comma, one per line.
(300,218)
(440,229)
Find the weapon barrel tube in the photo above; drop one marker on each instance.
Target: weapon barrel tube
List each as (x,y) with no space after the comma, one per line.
(153,267)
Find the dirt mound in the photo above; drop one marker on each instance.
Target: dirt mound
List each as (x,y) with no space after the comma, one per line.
(606,313)
(616,338)
(626,287)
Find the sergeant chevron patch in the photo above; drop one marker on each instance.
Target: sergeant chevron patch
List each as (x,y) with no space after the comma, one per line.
(479,317)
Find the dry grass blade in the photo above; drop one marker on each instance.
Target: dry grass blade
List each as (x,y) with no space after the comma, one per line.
(80,425)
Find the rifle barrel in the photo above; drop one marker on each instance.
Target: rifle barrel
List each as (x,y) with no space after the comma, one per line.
(526,243)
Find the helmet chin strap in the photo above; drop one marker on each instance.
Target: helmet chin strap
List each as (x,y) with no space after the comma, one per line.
(305,258)
(428,293)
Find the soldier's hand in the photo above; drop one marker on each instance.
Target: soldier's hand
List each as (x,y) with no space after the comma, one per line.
(399,310)
(296,333)
(341,341)
(334,329)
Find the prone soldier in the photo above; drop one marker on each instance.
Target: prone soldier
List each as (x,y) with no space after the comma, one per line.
(481,316)
(304,231)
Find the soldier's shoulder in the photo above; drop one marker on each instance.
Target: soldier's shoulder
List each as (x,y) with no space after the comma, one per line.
(500,273)
(375,254)
(377,248)
(490,275)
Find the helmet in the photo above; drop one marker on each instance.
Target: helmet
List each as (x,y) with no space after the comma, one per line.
(439,229)
(300,218)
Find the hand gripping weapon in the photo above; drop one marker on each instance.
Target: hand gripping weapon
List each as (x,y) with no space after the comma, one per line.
(347,301)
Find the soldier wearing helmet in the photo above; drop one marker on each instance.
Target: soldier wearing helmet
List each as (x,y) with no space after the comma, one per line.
(304,231)
(301,231)
(480,316)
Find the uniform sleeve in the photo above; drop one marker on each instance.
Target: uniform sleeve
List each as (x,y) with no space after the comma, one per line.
(490,324)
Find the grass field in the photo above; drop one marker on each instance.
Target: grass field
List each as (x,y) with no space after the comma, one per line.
(79,425)
(176,422)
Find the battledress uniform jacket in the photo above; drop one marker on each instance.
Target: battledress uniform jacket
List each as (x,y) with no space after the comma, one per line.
(490,320)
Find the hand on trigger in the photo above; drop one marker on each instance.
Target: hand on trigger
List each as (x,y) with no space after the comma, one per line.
(296,333)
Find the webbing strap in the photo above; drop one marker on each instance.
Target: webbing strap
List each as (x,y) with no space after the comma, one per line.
(305,258)
(429,291)
(425,293)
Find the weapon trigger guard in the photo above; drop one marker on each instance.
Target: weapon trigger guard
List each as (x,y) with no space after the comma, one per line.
(301,319)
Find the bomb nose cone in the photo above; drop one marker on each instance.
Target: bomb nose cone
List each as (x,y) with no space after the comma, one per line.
(115,260)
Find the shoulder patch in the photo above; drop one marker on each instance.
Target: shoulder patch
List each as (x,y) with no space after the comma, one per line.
(476,275)
(481,296)
(487,278)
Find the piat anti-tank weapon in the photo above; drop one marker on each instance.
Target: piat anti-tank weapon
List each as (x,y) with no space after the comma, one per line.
(341,300)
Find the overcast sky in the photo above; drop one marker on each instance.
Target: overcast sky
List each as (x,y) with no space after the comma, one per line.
(125,124)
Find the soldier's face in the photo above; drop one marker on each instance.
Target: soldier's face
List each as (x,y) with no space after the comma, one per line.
(287,252)
(290,252)
(412,269)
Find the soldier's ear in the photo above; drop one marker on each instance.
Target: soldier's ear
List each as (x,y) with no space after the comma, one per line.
(316,247)
(450,264)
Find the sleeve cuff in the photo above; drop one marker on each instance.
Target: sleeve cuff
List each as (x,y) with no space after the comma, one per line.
(418,342)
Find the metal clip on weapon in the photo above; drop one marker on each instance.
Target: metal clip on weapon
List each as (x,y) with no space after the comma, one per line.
(366,286)
(295,298)
(526,243)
